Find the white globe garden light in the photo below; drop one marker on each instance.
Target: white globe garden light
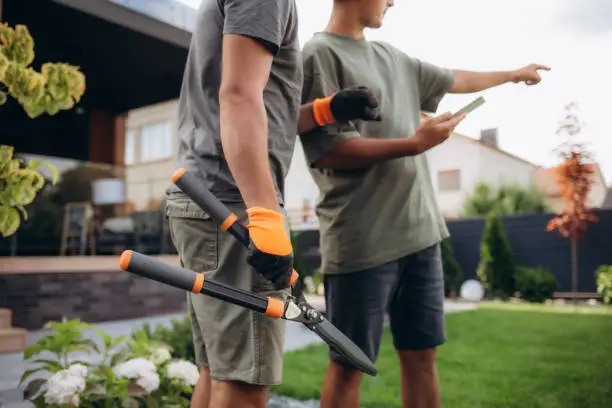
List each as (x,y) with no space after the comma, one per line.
(472,290)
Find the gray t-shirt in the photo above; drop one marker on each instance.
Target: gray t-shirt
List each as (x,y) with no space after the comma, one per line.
(373,215)
(275,24)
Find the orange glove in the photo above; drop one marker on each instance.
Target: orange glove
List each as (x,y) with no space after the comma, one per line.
(270,250)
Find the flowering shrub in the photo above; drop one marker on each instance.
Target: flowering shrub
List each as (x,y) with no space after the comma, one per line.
(129,372)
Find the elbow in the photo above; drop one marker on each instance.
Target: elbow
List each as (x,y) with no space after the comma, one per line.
(238,94)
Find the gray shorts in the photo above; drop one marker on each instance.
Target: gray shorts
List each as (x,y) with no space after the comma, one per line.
(233,342)
(410,291)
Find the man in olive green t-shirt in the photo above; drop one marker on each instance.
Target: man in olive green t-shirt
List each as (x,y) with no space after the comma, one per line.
(380,224)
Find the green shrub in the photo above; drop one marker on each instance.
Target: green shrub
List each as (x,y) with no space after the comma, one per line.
(453,275)
(535,284)
(603,278)
(178,337)
(496,269)
(19,184)
(131,372)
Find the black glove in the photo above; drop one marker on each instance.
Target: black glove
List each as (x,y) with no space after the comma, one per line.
(354,103)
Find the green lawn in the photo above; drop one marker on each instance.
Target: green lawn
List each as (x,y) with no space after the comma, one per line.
(500,356)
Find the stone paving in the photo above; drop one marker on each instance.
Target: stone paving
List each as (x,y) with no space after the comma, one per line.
(12,365)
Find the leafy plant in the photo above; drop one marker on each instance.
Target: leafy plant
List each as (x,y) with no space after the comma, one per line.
(128,371)
(19,184)
(178,337)
(508,199)
(603,278)
(58,86)
(574,178)
(453,274)
(496,269)
(535,284)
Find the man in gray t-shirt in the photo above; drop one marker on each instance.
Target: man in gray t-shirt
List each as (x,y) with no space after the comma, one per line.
(239,115)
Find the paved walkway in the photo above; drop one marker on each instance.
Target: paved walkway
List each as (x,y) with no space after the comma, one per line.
(12,365)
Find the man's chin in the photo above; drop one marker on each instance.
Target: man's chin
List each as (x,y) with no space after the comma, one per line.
(375,24)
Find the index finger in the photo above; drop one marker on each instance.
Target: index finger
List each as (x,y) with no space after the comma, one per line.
(540,66)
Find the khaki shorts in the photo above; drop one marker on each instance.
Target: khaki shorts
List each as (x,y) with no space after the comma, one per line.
(233,342)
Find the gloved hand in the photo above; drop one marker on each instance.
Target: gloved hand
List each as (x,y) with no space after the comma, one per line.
(348,104)
(270,250)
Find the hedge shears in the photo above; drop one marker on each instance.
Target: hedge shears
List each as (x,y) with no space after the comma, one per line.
(292,308)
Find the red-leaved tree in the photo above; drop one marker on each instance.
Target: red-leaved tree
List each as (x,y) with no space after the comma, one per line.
(574,177)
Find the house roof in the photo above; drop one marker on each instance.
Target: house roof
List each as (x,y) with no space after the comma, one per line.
(498,150)
(542,176)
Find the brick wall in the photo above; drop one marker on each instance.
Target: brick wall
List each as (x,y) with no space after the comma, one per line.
(36,298)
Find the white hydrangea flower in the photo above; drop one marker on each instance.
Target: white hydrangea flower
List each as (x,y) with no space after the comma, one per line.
(184,371)
(141,370)
(149,381)
(65,386)
(160,356)
(78,370)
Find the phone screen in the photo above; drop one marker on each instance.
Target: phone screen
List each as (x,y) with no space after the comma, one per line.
(471,106)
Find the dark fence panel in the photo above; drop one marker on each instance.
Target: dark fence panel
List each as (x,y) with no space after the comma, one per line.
(532,245)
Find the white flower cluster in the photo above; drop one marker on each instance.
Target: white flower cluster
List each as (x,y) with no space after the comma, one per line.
(160,356)
(140,369)
(65,386)
(183,371)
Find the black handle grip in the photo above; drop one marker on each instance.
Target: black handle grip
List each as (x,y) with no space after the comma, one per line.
(217,210)
(151,268)
(211,204)
(192,281)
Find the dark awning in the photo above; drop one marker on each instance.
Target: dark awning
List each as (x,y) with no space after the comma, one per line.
(130,60)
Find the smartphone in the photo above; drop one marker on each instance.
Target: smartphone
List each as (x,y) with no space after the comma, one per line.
(471,106)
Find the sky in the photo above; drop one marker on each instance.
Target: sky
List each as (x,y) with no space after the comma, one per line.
(572,37)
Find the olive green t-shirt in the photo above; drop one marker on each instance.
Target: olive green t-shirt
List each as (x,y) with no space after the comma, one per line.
(372,215)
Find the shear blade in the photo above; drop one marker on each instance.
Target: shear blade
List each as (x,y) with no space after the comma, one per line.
(343,345)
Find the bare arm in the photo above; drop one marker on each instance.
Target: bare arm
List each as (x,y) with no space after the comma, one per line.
(470,81)
(359,152)
(307,121)
(244,124)
(365,152)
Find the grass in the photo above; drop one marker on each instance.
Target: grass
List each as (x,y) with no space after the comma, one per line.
(500,356)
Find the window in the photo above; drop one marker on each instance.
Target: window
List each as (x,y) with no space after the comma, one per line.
(130,147)
(449,180)
(148,143)
(155,142)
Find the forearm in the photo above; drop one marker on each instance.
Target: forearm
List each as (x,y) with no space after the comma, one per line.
(470,81)
(306,121)
(365,152)
(244,136)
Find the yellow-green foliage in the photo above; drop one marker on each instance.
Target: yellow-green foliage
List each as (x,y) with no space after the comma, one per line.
(18,188)
(58,86)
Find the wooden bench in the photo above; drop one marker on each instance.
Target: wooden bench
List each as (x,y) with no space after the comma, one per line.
(578,295)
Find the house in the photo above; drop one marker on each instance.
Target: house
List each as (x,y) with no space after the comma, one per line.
(544,179)
(151,143)
(131,57)
(461,162)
